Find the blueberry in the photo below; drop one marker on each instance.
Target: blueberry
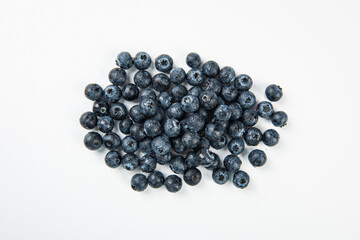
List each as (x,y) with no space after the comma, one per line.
(125,125)
(243,82)
(236,146)
(159,116)
(257,158)
(175,111)
(105,124)
(172,127)
(221,101)
(236,129)
(93,141)
(273,92)
(229,93)
(253,136)
(177,164)
(147,93)
(129,144)
(139,182)
(219,143)
(191,159)
(191,139)
(113,159)
(210,69)
(164,100)
(241,179)
(142,61)
(193,60)
(195,122)
(270,137)
(117,76)
(214,131)
(164,63)
(203,113)
(156,179)
(204,143)
(145,146)
(142,79)
(216,164)
(147,163)
(208,99)
(227,75)
(118,111)
(249,117)
(93,92)
(279,119)
(195,91)
(152,128)
(232,163)
(236,111)
(195,77)
(137,131)
(212,84)
(130,92)
(135,114)
(246,99)
(163,159)
(192,176)
(124,60)
(220,176)
(148,106)
(101,108)
(130,161)
(205,157)
(184,126)
(112,94)
(112,141)
(88,120)
(223,113)
(190,103)
(265,109)
(161,145)
(177,75)
(173,183)
(177,145)
(178,92)
(161,82)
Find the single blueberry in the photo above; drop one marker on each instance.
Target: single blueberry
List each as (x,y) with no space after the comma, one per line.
(273,92)
(195,77)
(191,159)
(118,111)
(177,164)
(105,124)
(112,141)
(124,125)
(193,60)
(130,92)
(227,75)
(139,182)
(236,111)
(223,113)
(257,158)
(145,146)
(190,103)
(271,137)
(93,92)
(205,157)
(210,69)
(161,145)
(173,183)
(178,92)
(195,122)
(142,79)
(112,94)
(129,144)
(152,128)
(195,91)
(130,161)
(232,163)
(172,127)
(241,179)
(164,63)
(249,117)
(135,114)
(148,106)
(156,179)
(191,139)
(147,93)
(219,143)
(142,61)
(265,109)
(220,176)
(247,99)
(163,159)
(253,136)
(161,82)
(117,76)
(192,176)
(88,120)
(212,84)
(214,131)
(93,141)
(236,129)
(124,60)
(208,99)
(229,93)
(177,75)
(175,111)
(216,164)
(243,82)
(137,131)
(164,100)
(178,146)
(279,119)
(147,163)
(113,159)
(236,146)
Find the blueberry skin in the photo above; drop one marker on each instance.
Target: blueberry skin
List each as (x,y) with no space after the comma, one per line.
(156,179)
(212,84)
(145,146)
(161,82)
(148,106)
(147,163)
(241,179)
(214,131)
(142,79)
(210,69)
(177,75)
(191,139)
(88,120)
(118,111)
(253,136)
(208,99)
(178,146)
(124,125)
(101,108)
(117,76)
(161,145)
(164,100)
(223,113)
(191,159)
(113,159)
(177,164)
(220,176)
(130,92)
(93,92)
(93,141)
(195,122)
(195,77)
(124,60)
(265,109)
(175,111)
(204,143)
(247,99)
(190,104)
(178,92)
(112,141)
(195,91)
(216,164)
(163,159)
(273,92)
(236,129)
(270,137)
(142,61)
(226,75)
(139,182)
(219,144)
(232,163)
(173,183)
(192,176)
(205,157)
(279,119)
(112,94)
(257,158)
(105,124)
(172,127)
(152,128)
(129,144)
(193,60)
(236,146)
(135,114)
(130,161)
(203,112)
(159,116)
(147,93)
(229,93)
(164,63)
(137,131)
(236,111)
(249,117)
(243,82)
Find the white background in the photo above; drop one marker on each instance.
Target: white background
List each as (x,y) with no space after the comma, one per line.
(52,187)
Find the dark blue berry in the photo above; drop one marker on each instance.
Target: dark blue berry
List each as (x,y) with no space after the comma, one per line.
(253,136)
(232,163)
(173,183)
(243,82)
(229,93)
(164,100)
(178,92)
(210,69)
(163,159)
(257,158)
(177,75)
(88,120)
(145,146)
(159,116)
(164,63)
(105,124)
(118,111)
(93,141)
(270,137)
(177,145)
(195,91)
(124,60)
(279,119)
(219,143)
(191,139)
(195,122)
(148,106)
(226,75)
(246,99)
(142,79)
(220,175)
(241,179)
(195,77)
(192,176)
(142,61)
(175,111)
(273,92)
(216,164)
(249,117)
(205,157)
(172,127)
(161,82)
(190,103)
(236,111)
(93,92)
(156,179)
(135,114)
(112,94)
(152,128)
(203,112)
(129,144)
(130,161)
(236,129)
(137,131)
(204,143)
(117,76)
(214,131)
(112,141)
(265,109)
(212,84)
(124,125)
(236,146)
(208,99)
(147,93)
(161,145)
(193,60)
(130,92)
(223,113)
(113,159)
(147,163)
(177,164)
(191,159)
(139,182)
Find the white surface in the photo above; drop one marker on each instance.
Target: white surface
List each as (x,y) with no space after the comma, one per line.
(53,188)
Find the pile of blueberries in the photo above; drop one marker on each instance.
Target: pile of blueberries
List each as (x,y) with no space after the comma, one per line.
(175,125)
